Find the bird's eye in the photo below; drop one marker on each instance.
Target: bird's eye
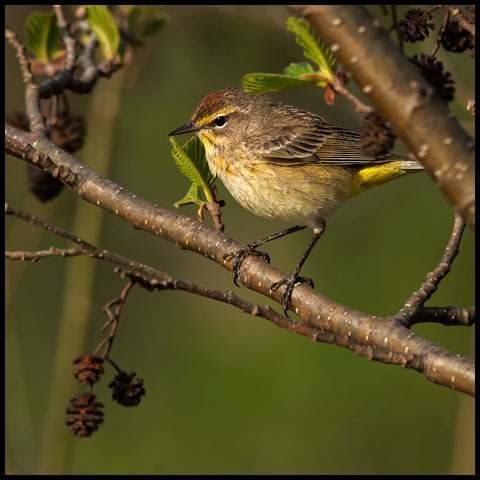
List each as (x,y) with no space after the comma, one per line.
(220,121)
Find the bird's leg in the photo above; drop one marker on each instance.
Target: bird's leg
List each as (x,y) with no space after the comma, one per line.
(293,278)
(240,255)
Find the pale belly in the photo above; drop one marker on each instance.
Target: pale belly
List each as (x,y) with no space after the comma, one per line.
(296,195)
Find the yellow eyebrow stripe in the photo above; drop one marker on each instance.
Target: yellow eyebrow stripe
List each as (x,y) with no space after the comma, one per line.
(209,118)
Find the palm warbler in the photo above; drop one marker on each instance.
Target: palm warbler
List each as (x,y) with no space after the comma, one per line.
(282,162)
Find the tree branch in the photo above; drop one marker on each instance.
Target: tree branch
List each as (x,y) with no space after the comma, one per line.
(315,310)
(401,95)
(461,19)
(162,281)
(429,287)
(32,99)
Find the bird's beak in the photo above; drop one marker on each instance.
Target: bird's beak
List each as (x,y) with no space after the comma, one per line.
(187,128)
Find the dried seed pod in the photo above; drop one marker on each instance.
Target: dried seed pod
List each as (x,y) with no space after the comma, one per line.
(432,71)
(87,369)
(85,414)
(415,27)
(127,391)
(377,138)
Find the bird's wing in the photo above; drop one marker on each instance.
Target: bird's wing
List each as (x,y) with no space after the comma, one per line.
(318,144)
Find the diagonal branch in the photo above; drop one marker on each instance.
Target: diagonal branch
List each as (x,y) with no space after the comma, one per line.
(403,96)
(382,337)
(315,310)
(162,281)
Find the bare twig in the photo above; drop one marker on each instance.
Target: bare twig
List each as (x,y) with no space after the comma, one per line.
(455,11)
(21,55)
(27,217)
(51,252)
(112,322)
(426,290)
(216,214)
(360,107)
(86,249)
(397,29)
(440,33)
(32,99)
(372,353)
(448,316)
(64,80)
(68,40)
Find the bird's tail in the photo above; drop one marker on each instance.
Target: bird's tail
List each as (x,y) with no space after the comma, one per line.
(377,174)
(411,165)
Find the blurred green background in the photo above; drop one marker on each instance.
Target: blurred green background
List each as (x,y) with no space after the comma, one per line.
(227,393)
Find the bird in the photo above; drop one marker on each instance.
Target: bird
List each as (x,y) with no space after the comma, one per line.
(281,162)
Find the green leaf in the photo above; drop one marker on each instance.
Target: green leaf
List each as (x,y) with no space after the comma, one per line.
(43,35)
(192,162)
(102,24)
(195,150)
(296,74)
(298,69)
(314,47)
(271,82)
(192,196)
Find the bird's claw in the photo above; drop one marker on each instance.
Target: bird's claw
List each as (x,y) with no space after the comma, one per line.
(240,255)
(290,283)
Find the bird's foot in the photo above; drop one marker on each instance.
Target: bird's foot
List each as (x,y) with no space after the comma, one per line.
(240,255)
(290,283)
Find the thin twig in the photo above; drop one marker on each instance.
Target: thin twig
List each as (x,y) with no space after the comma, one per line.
(426,290)
(371,352)
(27,217)
(32,99)
(51,252)
(216,214)
(67,38)
(448,316)
(395,24)
(360,107)
(88,249)
(112,322)
(21,53)
(63,80)
(441,32)
(455,11)
(444,315)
